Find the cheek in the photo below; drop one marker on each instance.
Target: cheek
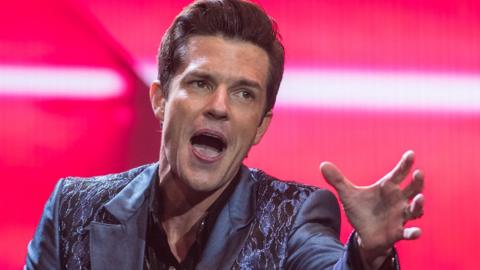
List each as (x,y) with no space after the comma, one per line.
(182,104)
(247,129)
(175,110)
(179,115)
(171,125)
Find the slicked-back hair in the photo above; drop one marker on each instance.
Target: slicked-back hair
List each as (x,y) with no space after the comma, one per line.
(234,19)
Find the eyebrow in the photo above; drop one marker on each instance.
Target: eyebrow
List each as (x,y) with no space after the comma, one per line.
(240,82)
(248,83)
(200,74)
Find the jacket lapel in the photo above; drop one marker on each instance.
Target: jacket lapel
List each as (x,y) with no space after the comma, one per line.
(121,246)
(232,226)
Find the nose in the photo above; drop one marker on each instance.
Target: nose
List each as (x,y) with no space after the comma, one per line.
(218,105)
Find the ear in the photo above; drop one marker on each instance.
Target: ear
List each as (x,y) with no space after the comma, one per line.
(262,128)
(157,98)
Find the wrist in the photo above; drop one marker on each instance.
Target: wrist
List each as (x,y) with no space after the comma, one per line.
(372,258)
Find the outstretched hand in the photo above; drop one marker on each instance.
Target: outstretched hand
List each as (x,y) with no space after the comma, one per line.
(379,212)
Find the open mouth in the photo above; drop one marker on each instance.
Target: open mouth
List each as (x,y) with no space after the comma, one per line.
(207,145)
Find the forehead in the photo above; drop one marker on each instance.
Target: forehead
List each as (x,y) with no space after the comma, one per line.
(227,58)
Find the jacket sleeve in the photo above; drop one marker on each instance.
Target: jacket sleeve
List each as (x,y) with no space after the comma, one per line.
(314,239)
(44,249)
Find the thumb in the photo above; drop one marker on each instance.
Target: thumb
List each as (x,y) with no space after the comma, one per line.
(334,177)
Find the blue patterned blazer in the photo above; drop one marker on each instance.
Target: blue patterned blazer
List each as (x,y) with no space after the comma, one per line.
(101,222)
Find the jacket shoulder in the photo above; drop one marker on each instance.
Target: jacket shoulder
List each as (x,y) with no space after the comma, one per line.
(299,201)
(277,206)
(81,201)
(285,190)
(98,186)
(82,196)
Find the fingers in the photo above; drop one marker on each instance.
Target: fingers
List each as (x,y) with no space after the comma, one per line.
(334,177)
(416,207)
(413,211)
(416,186)
(411,233)
(402,168)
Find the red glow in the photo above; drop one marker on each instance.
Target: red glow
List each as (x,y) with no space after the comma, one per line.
(43,138)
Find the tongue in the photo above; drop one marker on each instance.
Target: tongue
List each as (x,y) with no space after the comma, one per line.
(206,151)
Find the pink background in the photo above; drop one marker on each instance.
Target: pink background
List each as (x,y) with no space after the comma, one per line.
(46,134)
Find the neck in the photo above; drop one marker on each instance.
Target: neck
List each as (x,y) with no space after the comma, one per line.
(182,209)
(181,201)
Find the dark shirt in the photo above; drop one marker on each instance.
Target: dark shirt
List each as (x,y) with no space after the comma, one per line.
(158,255)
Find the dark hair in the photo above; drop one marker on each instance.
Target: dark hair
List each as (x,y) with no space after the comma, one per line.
(234,19)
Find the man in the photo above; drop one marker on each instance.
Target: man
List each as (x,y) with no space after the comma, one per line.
(220,67)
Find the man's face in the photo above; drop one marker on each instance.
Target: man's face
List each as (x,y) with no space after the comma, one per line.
(214,110)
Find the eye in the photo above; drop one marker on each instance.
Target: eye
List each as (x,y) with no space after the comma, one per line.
(199,84)
(246,94)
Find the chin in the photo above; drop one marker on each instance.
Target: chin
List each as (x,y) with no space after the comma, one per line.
(203,184)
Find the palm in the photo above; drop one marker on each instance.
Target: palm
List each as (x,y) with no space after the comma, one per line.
(379,212)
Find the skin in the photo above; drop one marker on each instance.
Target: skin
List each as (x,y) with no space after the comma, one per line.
(219,89)
(216,89)
(379,212)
